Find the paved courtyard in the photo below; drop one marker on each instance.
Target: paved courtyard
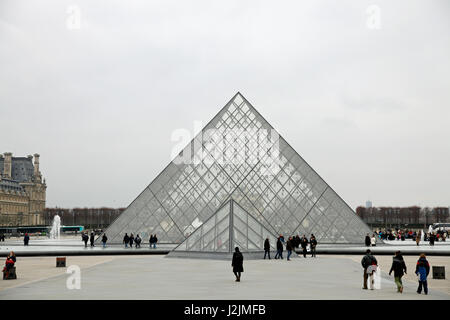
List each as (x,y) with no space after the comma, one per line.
(158,277)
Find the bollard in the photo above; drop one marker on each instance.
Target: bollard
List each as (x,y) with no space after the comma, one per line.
(60,262)
(438,272)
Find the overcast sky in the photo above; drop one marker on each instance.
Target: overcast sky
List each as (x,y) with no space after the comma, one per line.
(361,89)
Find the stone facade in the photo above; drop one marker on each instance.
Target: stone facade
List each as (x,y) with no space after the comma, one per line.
(22,191)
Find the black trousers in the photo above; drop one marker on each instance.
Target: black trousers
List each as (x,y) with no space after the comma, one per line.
(304,252)
(425,287)
(266,252)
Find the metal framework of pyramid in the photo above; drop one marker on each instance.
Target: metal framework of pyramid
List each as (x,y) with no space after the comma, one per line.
(231,226)
(239,156)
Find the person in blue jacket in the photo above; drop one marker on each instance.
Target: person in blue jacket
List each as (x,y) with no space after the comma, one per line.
(422,270)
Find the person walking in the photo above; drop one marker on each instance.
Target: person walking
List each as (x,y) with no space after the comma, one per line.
(26,239)
(432,238)
(155,241)
(313,244)
(126,240)
(289,248)
(104,239)
(151,241)
(367,240)
(131,240)
(92,239)
(238,264)
(373,240)
(367,262)
(138,241)
(422,270)
(418,236)
(85,239)
(304,244)
(266,248)
(279,249)
(399,268)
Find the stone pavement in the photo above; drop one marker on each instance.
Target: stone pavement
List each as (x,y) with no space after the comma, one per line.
(158,277)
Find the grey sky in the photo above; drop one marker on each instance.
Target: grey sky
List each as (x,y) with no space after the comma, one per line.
(368,109)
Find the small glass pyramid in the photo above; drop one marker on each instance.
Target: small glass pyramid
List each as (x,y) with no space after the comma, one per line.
(231,226)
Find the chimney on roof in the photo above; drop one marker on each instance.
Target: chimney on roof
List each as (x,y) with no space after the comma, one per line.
(7,165)
(37,173)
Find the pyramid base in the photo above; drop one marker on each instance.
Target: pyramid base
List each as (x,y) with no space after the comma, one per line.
(253,255)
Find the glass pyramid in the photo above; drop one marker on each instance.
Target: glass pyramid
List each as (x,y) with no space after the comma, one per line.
(231,226)
(239,156)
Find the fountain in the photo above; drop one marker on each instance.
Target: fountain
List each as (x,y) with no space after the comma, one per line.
(54,232)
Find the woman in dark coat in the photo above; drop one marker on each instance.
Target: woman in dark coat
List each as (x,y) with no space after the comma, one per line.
(238,264)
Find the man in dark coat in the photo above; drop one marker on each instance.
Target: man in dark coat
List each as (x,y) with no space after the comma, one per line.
(266,248)
(126,239)
(155,241)
(104,239)
(279,249)
(367,261)
(26,239)
(432,238)
(92,239)
(304,244)
(85,239)
(131,240)
(367,240)
(313,244)
(289,248)
(399,268)
(297,241)
(238,264)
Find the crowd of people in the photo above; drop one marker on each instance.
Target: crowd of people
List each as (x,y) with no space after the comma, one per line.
(406,234)
(131,239)
(370,266)
(293,243)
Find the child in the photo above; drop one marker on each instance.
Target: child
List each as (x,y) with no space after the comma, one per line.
(422,270)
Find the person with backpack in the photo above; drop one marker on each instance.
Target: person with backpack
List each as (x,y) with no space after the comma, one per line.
(126,239)
(422,270)
(266,248)
(399,268)
(138,241)
(238,264)
(104,239)
(367,262)
(279,253)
